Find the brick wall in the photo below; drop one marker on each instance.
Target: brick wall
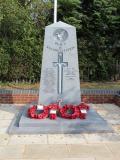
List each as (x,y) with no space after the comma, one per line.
(22,96)
(99,98)
(28,98)
(17,98)
(117,100)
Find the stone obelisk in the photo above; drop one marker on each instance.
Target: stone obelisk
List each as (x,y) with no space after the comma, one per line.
(60,72)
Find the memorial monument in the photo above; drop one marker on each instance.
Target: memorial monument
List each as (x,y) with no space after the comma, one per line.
(60,73)
(59,89)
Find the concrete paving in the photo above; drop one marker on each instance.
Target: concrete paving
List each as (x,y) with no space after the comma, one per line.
(97,146)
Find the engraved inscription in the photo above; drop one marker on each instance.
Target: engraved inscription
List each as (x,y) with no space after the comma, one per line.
(52,49)
(49,83)
(64,50)
(70,73)
(68,49)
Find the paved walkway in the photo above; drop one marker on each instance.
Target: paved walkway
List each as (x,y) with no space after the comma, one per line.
(102,146)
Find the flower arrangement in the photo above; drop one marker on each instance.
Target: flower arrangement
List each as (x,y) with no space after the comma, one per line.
(53,111)
(32,113)
(67,111)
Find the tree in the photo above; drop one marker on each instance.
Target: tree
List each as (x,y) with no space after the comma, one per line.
(22,24)
(21,40)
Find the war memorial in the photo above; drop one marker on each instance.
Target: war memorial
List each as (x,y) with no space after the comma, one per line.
(59,108)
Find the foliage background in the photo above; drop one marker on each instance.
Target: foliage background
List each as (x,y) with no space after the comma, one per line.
(22,24)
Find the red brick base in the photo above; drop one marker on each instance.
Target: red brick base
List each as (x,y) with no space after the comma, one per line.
(99,98)
(28,98)
(117,100)
(17,98)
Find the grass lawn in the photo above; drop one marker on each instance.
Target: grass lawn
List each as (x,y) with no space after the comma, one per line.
(100,85)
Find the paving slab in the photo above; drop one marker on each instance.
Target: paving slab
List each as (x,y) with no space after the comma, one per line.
(4,138)
(27,139)
(102,137)
(114,147)
(86,146)
(3,130)
(6,116)
(24,159)
(91,150)
(89,158)
(112,158)
(66,139)
(46,151)
(4,123)
(11,152)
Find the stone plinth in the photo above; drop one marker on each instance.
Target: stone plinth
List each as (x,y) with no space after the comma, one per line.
(24,125)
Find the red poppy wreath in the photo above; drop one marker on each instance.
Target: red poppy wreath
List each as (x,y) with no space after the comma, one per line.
(69,112)
(53,111)
(32,113)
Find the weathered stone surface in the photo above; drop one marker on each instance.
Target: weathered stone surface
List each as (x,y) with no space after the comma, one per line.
(60,73)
